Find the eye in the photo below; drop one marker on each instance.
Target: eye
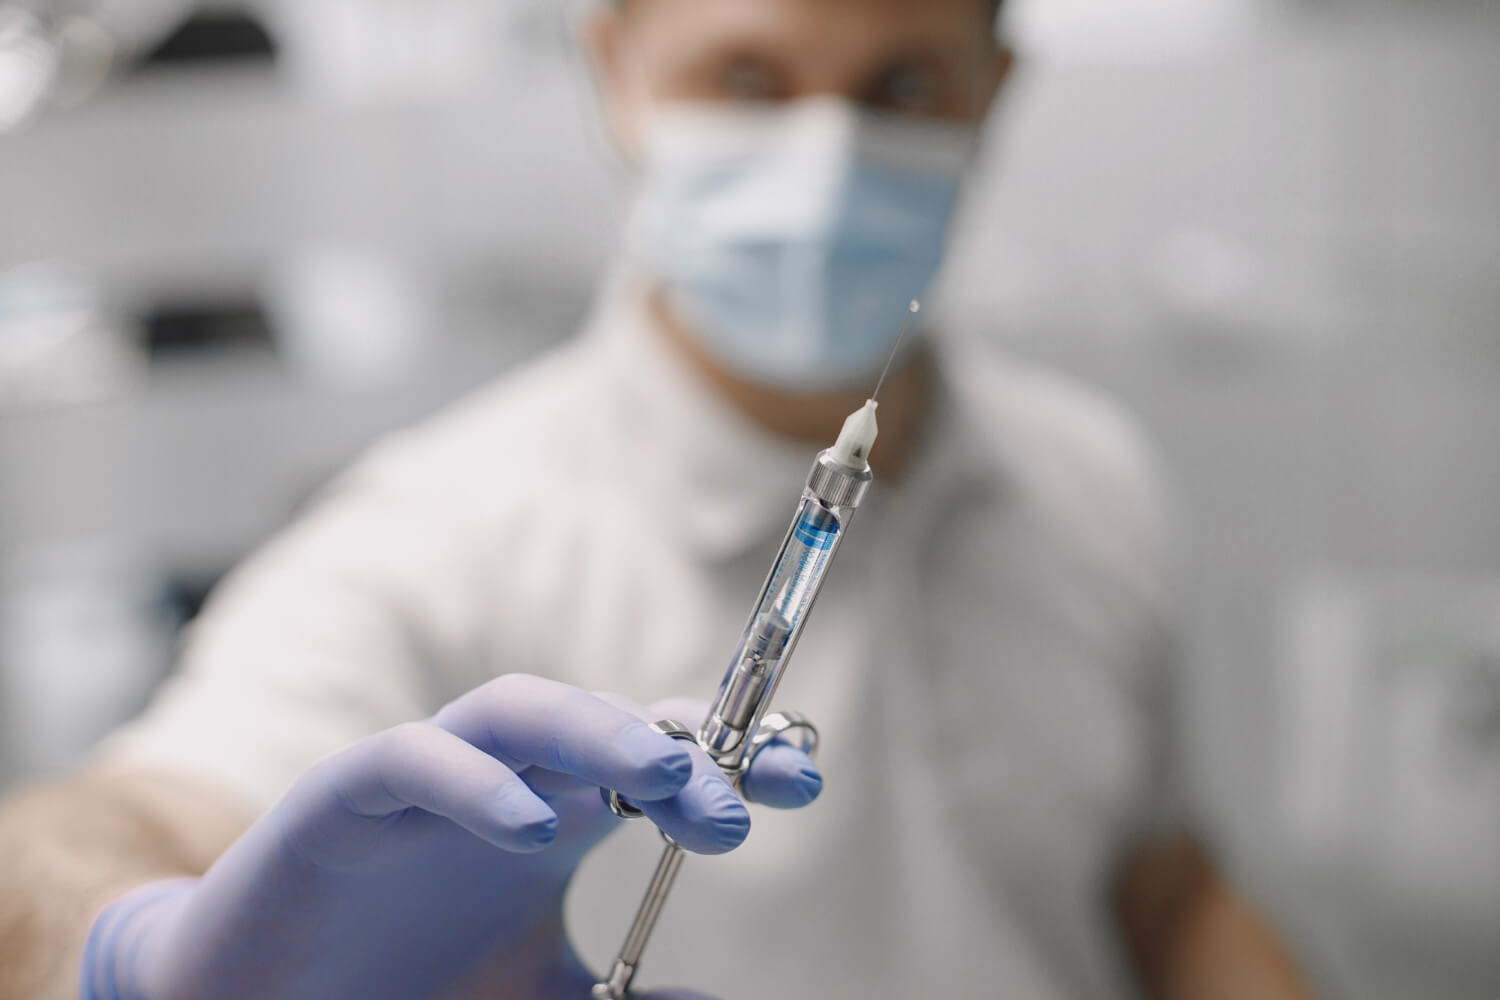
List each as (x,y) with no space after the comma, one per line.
(907,89)
(748,80)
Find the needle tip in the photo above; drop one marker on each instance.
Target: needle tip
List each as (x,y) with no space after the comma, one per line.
(912,309)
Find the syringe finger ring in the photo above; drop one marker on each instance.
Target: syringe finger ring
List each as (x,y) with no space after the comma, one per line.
(779,725)
(621,807)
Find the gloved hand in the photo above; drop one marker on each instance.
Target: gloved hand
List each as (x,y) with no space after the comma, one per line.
(427,856)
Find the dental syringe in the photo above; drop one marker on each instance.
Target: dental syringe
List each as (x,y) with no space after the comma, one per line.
(737,726)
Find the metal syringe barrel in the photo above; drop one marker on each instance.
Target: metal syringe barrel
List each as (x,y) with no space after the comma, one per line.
(833,492)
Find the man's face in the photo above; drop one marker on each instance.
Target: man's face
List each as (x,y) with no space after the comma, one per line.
(929,58)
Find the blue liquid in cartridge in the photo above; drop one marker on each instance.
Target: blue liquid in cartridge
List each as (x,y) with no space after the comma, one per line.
(806,554)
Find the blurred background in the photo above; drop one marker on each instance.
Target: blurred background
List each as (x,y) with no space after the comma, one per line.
(239,240)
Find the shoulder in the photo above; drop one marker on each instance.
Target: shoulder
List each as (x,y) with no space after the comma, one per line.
(535,406)
(418,519)
(489,451)
(1077,459)
(499,497)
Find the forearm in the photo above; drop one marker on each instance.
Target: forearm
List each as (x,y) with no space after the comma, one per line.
(69,847)
(1190,937)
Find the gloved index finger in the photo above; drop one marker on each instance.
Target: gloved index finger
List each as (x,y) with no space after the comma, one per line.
(530,721)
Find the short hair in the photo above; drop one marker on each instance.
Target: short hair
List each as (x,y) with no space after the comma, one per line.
(995,5)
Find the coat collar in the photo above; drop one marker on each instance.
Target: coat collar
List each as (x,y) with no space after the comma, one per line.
(729,484)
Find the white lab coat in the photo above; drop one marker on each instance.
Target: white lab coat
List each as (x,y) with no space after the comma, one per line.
(987,663)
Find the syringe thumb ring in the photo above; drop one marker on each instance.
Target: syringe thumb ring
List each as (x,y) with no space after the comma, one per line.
(775,726)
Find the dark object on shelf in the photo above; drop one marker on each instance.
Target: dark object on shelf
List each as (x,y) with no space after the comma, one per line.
(175,329)
(184,595)
(212,38)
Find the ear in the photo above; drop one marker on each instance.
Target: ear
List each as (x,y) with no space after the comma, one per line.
(601,35)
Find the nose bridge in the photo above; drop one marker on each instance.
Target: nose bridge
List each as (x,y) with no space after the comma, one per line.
(831,80)
(823,142)
(835,70)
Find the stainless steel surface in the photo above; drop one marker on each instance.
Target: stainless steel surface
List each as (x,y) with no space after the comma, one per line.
(744,691)
(836,484)
(617,986)
(779,724)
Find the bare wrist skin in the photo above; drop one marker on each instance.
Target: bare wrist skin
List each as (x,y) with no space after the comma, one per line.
(69,848)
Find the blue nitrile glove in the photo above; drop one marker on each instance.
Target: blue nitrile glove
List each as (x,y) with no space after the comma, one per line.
(428,860)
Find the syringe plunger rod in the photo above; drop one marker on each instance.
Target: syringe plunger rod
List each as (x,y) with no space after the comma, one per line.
(743,690)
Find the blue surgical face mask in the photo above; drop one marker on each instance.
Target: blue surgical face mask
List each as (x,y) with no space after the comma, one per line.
(792,238)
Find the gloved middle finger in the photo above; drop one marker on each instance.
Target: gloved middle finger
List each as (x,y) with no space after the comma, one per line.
(707,816)
(780,776)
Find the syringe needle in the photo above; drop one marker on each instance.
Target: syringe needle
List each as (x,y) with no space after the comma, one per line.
(911,318)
